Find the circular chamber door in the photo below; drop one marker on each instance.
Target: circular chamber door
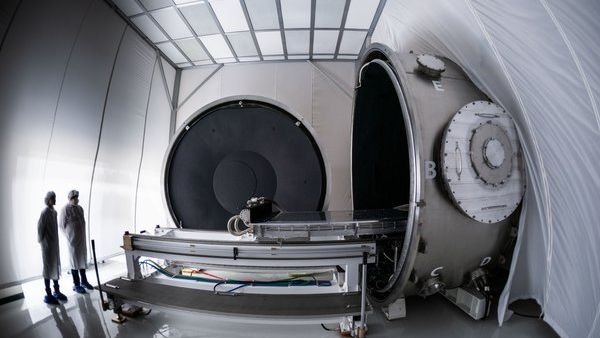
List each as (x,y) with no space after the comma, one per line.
(481,160)
(237,150)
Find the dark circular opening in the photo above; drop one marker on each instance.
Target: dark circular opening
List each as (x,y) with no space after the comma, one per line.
(235,151)
(242,174)
(380,157)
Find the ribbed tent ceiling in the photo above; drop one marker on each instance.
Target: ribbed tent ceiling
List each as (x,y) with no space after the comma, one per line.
(195,33)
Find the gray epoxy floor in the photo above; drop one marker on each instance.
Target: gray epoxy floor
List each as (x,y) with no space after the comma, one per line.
(81,317)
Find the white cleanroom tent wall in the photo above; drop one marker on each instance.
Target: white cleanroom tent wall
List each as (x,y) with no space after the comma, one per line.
(539,59)
(76,113)
(318,92)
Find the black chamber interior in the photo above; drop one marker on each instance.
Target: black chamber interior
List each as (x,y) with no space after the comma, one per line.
(380,162)
(231,153)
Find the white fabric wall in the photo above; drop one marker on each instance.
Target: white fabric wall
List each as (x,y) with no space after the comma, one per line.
(74,111)
(320,93)
(539,59)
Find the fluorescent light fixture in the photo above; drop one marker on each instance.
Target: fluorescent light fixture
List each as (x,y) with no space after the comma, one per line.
(299,57)
(225,60)
(361,13)
(199,17)
(347,57)
(328,13)
(325,41)
(171,23)
(217,46)
(270,43)
(274,58)
(242,43)
(296,13)
(180,2)
(249,58)
(230,15)
(191,47)
(185,64)
(352,42)
(129,7)
(203,63)
(263,14)
(323,56)
(171,52)
(148,27)
(156,4)
(297,42)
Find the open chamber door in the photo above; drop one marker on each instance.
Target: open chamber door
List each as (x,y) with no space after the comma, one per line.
(425,139)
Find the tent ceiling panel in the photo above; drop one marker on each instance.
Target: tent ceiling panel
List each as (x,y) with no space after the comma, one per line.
(230,15)
(191,47)
(325,41)
(155,4)
(361,13)
(171,23)
(202,32)
(329,13)
(242,43)
(298,42)
(263,14)
(171,52)
(129,7)
(270,42)
(148,27)
(217,46)
(352,42)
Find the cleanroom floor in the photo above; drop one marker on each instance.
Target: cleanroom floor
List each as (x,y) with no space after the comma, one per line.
(81,316)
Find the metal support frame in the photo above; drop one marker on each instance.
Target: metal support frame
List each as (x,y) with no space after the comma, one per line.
(285,55)
(200,85)
(212,12)
(351,255)
(373,25)
(252,30)
(342,24)
(139,3)
(196,37)
(313,5)
(175,103)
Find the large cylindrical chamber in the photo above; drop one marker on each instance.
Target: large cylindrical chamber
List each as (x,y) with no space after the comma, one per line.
(235,149)
(404,153)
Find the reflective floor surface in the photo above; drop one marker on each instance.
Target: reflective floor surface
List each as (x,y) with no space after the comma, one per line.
(81,316)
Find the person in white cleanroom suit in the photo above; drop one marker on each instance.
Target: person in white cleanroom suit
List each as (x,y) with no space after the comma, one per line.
(48,239)
(72,223)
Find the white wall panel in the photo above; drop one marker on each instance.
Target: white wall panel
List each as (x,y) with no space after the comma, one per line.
(150,209)
(33,61)
(113,188)
(303,90)
(332,118)
(79,112)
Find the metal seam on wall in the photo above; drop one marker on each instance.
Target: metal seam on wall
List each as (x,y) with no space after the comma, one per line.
(137,182)
(175,103)
(164,79)
(89,227)
(331,79)
(10,22)
(62,82)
